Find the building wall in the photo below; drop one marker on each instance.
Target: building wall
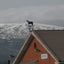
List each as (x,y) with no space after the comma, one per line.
(31,54)
(31,62)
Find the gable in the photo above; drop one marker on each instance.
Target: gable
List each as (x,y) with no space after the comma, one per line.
(28,44)
(32,54)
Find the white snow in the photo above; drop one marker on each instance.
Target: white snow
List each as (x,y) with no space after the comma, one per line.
(20,30)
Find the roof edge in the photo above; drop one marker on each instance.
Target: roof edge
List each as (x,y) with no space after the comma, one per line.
(16,59)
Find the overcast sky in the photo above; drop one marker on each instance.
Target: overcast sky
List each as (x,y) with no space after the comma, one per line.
(42,11)
(5,4)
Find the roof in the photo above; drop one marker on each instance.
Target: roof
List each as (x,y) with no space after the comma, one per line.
(54,40)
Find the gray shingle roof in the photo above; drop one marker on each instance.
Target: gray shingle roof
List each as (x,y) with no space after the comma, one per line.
(54,39)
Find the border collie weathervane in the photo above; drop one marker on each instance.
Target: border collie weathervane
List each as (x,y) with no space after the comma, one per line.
(30,25)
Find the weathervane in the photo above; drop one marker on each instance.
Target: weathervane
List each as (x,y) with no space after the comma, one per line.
(30,25)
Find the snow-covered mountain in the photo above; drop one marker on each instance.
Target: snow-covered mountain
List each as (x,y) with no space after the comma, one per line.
(20,30)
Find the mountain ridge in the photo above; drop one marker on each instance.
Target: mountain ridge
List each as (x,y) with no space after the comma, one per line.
(17,30)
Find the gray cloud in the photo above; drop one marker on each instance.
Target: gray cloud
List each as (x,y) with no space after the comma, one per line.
(41,14)
(6,4)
